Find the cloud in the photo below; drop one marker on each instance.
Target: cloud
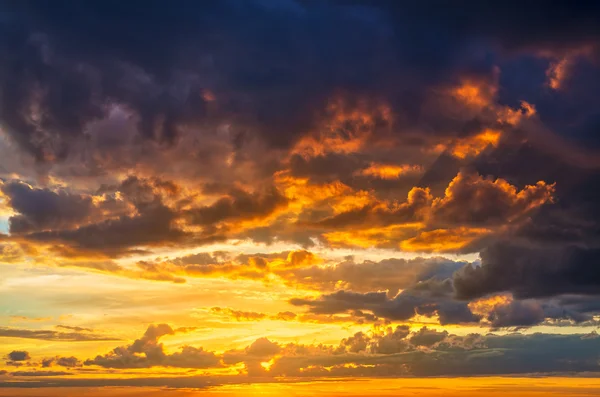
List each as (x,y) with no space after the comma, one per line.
(376,353)
(147,352)
(40,373)
(355,317)
(431,299)
(434,292)
(18,355)
(471,200)
(529,272)
(69,362)
(390,274)
(239,315)
(215,83)
(427,338)
(471,208)
(240,205)
(44,209)
(52,335)
(424,352)
(263,347)
(224,122)
(445,240)
(389,171)
(72,328)
(151,225)
(352,125)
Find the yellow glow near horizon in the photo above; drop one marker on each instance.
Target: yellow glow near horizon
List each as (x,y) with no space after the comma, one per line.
(422,387)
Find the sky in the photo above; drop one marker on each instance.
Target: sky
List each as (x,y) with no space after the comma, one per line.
(303,198)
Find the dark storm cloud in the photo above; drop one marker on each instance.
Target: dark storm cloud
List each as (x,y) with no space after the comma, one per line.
(513,354)
(100,90)
(270,67)
(44,209)
(525,313)
(556,251)
(435,293)
(426,300)
(239,205)
(531,272)
(476,201)
(153,226)
(151,222)
(533,25)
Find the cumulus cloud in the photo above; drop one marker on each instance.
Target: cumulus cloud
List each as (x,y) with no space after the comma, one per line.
(378,352)
(471,200)
(147,352)
(17,357)
(424,352)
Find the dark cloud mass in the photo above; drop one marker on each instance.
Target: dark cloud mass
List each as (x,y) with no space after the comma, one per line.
(240,108)
(138,140)
(17,355)
(402,307)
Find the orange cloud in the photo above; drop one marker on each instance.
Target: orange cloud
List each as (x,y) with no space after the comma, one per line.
(443,240)
(371,237)
(345,129)
(336,196)
(476,94)
(485,306)
(302,193)
(471,199)
(389,171)
(515,116)
(472,146)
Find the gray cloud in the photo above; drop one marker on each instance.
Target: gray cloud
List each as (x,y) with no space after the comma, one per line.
(427,299)
(147,352)
(68,362)
(40,373)
(530,271)
(52,335)
(18,355)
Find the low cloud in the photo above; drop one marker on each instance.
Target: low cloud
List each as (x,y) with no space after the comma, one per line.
(52,335)
(18,355)
(147,352)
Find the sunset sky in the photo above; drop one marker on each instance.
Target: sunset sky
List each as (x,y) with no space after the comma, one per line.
(299,198)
